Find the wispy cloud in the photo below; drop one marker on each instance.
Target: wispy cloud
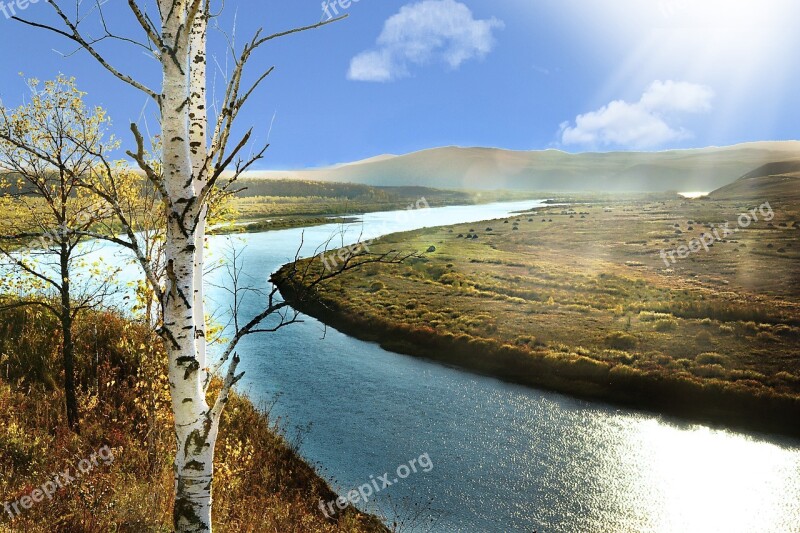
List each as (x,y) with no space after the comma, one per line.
(425,32)
(644,124)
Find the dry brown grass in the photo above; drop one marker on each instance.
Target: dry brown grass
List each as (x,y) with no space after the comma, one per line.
(261,482)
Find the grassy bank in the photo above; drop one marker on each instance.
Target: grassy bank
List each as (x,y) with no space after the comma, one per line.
(577,299)
(269,224)
(261,483)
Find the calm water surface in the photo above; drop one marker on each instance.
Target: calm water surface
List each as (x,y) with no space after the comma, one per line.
(505,458)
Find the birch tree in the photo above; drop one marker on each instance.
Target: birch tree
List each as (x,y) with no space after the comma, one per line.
(199,159)
(194,159)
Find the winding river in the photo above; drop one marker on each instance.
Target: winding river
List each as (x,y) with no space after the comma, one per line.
(504,458)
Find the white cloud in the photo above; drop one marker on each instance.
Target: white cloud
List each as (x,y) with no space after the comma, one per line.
(643,124)
(425,32)
(677,96)
(374,65)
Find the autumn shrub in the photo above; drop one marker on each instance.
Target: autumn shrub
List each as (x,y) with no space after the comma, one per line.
(787,376)
(709,371)
(620,340)
(784,330)
(711,358)
(767,337)
(704,339)
(750,327)
(28,353)
(747,375)
(450,279)
(664,326)
(650,316)
(525,340)
(376,286)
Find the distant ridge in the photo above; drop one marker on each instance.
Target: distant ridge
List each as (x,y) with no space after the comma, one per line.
(452,167)
(375,159)
(774,169)
(778,180)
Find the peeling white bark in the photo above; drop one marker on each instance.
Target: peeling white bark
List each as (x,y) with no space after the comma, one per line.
(201,167)
(184,323)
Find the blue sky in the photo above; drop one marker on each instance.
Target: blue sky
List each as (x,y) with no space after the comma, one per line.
(400,76)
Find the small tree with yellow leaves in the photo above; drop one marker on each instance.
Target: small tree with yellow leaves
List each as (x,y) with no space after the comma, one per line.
(46,149)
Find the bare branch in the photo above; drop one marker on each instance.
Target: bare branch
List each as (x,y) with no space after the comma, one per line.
(75,35)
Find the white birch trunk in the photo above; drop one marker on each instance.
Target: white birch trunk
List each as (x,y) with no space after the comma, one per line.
(182,302)
(198,128)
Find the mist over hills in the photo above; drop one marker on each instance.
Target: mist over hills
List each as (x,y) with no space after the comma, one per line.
(705,169)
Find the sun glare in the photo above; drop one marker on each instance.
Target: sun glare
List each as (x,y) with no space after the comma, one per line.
(730,47)
(705,480)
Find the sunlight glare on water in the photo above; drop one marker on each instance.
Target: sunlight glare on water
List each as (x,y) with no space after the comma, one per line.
(697,479)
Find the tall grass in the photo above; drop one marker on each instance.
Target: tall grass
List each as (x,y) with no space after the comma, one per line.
(261,484)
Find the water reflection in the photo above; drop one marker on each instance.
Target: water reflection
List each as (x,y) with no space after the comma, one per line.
(663,477)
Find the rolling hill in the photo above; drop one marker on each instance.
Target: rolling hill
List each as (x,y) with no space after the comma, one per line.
(770,181)
(453,167)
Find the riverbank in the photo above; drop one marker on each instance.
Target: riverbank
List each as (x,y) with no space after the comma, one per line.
(270,224)
(261,481)
(577,300)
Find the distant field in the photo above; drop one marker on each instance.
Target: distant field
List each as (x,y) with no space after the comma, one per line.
(265,205)
(578,298)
